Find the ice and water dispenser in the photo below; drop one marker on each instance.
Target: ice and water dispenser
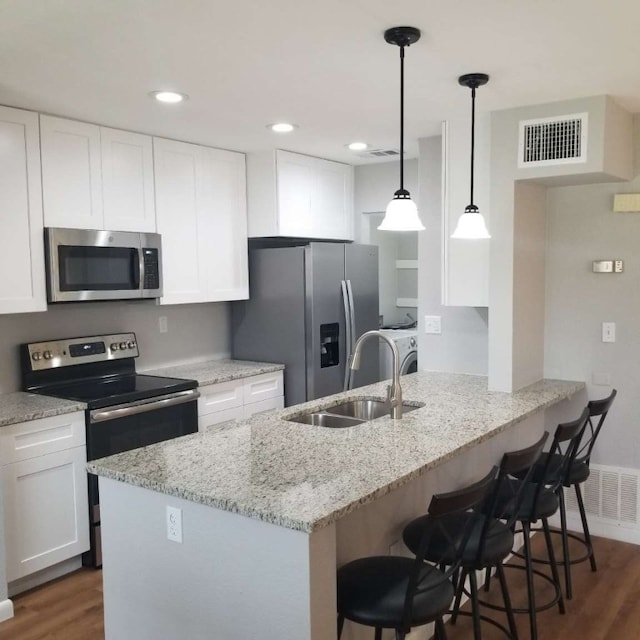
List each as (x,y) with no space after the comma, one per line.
(329,349)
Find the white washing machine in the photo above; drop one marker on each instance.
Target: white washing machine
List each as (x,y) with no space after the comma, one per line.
(407,342)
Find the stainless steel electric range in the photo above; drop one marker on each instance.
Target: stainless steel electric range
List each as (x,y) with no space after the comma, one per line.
(125,410)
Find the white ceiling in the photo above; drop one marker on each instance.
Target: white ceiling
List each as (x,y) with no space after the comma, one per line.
(322,64)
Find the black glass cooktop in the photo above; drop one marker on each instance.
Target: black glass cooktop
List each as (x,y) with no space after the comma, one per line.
(113,390)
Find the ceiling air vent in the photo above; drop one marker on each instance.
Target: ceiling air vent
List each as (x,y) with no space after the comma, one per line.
(552,141)
(379,153)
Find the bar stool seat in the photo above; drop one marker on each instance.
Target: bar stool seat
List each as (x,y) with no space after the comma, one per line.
(373,591)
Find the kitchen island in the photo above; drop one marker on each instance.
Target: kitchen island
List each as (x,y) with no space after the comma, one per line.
(271,507)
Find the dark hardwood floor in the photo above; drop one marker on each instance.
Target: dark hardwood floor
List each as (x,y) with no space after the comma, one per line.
(605,606)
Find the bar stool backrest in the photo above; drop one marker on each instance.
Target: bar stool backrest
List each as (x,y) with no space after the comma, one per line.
(442,506)
(597,409)
(504,501)
(562,454)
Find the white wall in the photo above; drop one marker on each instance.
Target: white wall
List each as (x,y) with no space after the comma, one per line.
(581,227)
(196,331)
(463,345)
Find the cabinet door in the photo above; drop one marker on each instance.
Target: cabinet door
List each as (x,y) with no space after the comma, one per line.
(219,420)
(46,511)
(263,406)
(315,197)
(127,181)
(227,253)
(71,173)
(22,285)
(182,220)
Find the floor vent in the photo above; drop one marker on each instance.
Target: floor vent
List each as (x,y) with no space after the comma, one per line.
(552,141)
(379,153)
(610,494)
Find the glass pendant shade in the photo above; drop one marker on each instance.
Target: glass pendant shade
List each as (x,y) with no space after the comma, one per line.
(401,215)
(471,226)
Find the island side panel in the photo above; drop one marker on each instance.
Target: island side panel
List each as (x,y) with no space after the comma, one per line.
(232,577)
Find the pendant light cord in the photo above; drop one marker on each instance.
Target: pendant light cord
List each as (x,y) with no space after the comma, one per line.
(473,135)
(402,117)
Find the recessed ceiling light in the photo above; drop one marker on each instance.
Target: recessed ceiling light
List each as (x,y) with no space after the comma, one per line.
(282,127)
(171,97)
(358,146)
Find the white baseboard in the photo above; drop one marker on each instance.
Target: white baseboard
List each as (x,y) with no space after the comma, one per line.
(6,610)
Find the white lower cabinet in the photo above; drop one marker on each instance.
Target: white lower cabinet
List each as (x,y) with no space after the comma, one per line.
(221,404)
(45,493)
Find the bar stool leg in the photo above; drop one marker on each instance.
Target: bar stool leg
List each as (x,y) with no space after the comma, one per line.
(475,606)
(441,634)
(340,625)
(531,594)
(462,576)
(506,598)
(565,543)
(585,528)
(378,635)
(553,564)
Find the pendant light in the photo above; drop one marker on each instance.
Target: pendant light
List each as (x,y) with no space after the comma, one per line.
(401,213)
(471,225)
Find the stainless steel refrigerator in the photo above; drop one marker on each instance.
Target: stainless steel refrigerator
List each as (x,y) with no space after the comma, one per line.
(308,305)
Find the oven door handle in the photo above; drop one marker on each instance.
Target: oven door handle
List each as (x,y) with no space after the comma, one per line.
(142,406)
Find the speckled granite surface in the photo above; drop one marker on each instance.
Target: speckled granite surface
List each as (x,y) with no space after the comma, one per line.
(304,477)
(21,407)
(215,371)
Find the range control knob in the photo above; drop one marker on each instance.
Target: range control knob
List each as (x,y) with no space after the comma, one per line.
(131,344)
(36,355)
(123,346)
(413,342)
(47,355)
(113,346)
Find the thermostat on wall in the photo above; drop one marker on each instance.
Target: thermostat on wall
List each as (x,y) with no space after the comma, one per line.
(608,266)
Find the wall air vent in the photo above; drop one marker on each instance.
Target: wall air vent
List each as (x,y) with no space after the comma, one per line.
(379,153)
(552,141)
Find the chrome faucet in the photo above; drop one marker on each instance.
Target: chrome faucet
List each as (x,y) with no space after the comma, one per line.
(394,391)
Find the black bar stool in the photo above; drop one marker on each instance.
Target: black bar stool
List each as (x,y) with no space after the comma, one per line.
(392,592)
(575,475)
(540,502)
(491,541)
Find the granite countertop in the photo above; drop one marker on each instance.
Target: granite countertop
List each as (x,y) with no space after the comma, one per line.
(22,407)
(214,371)
(304,477)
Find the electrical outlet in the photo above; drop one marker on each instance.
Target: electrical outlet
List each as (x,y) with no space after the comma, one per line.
(163,327)
(432,324)
(174,524)
(608,332)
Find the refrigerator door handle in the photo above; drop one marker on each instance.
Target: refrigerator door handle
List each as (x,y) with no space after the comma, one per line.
(349,337)
(352,318)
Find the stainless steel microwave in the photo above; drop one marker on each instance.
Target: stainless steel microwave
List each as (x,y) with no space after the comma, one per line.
(102,265)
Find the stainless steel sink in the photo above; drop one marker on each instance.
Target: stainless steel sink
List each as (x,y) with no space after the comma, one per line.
(367,409)
(349,413)
(322,419)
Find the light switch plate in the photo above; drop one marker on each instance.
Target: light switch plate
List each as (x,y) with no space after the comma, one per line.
(608,332)
(433,324)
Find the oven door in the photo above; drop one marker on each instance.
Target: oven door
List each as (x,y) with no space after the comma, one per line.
(129,426)
(97,265)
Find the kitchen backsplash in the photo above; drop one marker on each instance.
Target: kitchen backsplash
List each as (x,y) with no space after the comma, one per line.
(194,332)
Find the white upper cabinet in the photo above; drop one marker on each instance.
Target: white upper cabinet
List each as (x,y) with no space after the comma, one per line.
(293,195)
(22,286)
(96,178)
(201,214)
(465,262)
(71,173)
(127,180)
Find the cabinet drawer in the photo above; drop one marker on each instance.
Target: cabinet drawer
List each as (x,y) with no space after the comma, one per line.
(266,385)
(220,419)
(39,437)
(217,397)
(269,404)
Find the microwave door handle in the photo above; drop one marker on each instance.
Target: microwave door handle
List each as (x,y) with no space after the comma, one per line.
(137,265)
